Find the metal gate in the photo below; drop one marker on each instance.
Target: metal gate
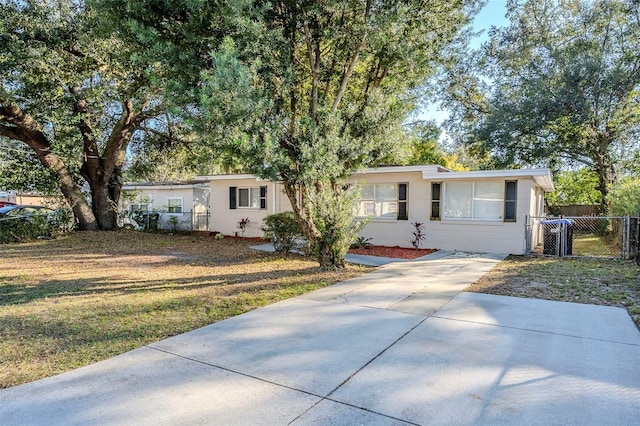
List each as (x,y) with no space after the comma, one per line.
(600,236)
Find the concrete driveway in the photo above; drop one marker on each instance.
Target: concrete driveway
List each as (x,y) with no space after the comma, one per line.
(398,346)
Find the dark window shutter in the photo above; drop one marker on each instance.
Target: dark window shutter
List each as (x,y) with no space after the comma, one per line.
(263,197)
(232,197)
(510,197)
(403,212)
(435,200)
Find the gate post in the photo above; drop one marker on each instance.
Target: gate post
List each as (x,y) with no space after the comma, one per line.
(528,231)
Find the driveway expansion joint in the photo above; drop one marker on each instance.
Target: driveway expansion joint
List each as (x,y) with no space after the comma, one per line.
(536,331)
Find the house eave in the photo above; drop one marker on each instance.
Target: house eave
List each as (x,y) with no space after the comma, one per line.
(542,177)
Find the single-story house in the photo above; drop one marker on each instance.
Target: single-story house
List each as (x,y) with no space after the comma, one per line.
(31,199)
(484,211)
(180,205)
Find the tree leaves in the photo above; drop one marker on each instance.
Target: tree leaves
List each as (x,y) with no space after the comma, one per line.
(562,78)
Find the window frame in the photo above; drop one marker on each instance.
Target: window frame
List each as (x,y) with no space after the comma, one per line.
(141,200)
(436,201)
(255,193)
(513,201)
(371,203)
(474,202)
(169,206)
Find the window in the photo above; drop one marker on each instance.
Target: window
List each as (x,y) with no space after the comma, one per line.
(435,200)
(244,198)
(384,201)
(488,201)
(474,201)
(174,204)
(142,204)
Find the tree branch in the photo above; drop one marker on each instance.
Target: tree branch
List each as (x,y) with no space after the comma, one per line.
(352,62)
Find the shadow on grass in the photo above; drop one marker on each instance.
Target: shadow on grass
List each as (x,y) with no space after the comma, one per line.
(225,284)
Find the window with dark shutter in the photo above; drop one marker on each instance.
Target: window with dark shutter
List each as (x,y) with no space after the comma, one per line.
(403,212)
(510,196)
(435,200)
(263,197)
(232,197)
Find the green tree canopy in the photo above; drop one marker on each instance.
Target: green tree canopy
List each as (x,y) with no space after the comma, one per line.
(75,94)
(559,85)
(322,96)
(305,92)
(575,187)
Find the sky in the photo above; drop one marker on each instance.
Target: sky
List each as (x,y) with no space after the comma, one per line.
(492,14)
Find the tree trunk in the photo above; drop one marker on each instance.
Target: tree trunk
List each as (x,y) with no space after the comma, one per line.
(103,207)
(25,129)
(603,165)
(327,256)
(325,253)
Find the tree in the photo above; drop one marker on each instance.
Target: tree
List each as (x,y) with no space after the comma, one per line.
(20,170)
(559,85)
(424,144)
(74,93)
(574,187)
(303,92)
(625,197)
(320,93)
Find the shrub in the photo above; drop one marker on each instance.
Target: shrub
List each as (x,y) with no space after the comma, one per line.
(624,198)
(333,216)
(361,243)
(283,231)
(19,230)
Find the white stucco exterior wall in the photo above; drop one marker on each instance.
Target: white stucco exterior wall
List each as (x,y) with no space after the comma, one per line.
(392,232)
(225,220)
(444,234)
(484,236)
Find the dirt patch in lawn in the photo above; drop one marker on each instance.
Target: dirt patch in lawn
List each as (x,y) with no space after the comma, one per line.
(594,281)
(88,296)
(394,252)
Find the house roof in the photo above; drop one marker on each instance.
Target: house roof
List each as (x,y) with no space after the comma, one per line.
(542,176)
(425,168)
(230,177)
(165,184)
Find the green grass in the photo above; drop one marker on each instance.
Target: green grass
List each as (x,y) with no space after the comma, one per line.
(598,281)
(69,302)
(590,244)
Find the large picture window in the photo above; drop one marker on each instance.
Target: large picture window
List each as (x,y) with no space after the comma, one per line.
(383,201)
(482,200)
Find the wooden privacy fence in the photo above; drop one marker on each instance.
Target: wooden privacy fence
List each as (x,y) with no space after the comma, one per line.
(578,210)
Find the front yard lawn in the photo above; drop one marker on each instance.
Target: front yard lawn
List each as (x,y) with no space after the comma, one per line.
(88,296)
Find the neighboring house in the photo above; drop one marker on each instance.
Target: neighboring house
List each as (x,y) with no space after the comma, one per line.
(482,211)
(31,199)
(187,202)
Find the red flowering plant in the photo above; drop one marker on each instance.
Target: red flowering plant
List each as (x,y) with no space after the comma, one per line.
(242,225)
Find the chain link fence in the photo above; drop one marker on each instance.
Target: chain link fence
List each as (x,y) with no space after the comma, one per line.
(158,220)
(615,237)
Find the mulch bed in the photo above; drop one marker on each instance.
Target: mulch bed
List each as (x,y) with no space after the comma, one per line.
(395,252)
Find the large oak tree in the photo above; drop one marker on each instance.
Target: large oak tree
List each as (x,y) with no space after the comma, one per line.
(304,92)
(73,93)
